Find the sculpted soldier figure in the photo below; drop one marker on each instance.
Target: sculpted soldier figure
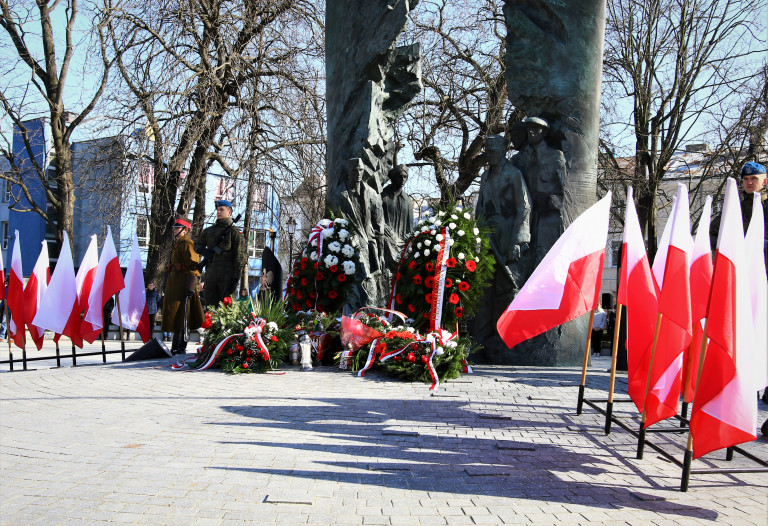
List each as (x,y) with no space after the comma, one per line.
(398,214)
(505,205)
(544,170)
(361,206)
(223,247)
(182,310)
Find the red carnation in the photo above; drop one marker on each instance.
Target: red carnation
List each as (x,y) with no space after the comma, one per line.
(451,262)
(463,286)
(296,274)
(319,276)
(459,312)
(430,267)
(471,265)
(334,268)
(342,277)
(428,298)
(312,294)
(249,353)
(303,266)
(304,282)
(229,351)
(333,294)
(299,294)
(380,348)
(396,358)
(398,299)
(429,281)
(448,283)
(304,261)
(207,323)
(454,298)
(274,338)
(227,301)
(417,280)
(411,308)
(316,265)
(424,358)
(426,315)
(245,365)
(412,265)
(411,357)
(309,303)
(239,348)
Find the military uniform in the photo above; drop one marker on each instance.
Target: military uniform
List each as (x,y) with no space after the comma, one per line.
(182,275)
(223,246)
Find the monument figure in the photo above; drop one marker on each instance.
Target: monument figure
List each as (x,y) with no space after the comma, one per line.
(505,205)
(357,202)
(398,216)
(544,170)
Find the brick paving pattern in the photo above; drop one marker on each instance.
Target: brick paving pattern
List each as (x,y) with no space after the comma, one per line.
(138,443)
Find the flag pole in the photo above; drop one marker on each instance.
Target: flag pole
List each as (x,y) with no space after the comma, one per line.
(641,434)
(688,457)
(120,324)
(687,379)
(103,345)
(580,403)
(8,333)
(58,354)
(74,356)
(612,382)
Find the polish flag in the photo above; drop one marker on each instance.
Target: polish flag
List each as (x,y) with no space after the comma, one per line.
(566,284)
(638,293)
(660,260)
(701,281)
(15,299)
(107,282)
(725,406)
(34,292)
(675,324)
(755,240)
(2,277)
(58,310)
(133,298)
(86,273)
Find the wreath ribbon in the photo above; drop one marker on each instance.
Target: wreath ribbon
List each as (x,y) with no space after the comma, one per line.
(438,284)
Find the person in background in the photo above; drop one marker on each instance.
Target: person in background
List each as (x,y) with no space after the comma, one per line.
(599,324)
(244,296)
(152,300)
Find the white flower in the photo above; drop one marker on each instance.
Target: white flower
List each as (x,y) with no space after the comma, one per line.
(452,225)
(440,213)
(341,222)
(426,252)
(418,245)
(439,351)
(479,240)
(324,223)
(424,228)
(454,217)
(330,260)
(476,231)
(439,237)
(461,233)
(272,326)
(461,255)
(313,256)
(451,242)
(451,344)
(477,258)
(348,251)
(249,331)
(349,267)
(410,329)
(427,242)
(416,255)
(334,246)
(433,232)
(343,234)
(459,208)
(328,232)
(467,216)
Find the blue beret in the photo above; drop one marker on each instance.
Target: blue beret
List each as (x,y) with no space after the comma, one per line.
(223,202)
(751,168)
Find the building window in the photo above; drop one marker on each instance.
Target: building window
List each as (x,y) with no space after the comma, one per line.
(8,189)
(146,178)
(142,230)
(616,252)
(256,241)
(4,233)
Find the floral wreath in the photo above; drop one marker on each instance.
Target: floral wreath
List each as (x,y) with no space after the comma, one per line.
(443,269)
(322,277)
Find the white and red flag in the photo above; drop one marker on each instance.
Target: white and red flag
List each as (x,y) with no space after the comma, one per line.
(86,272)
(675,323)
(15,300)
(34,292)
(58,310)
(2,277)
(725,406)
(133,298)
(639,294)
(660,260)
(107,282)
(566,284)
(701,280)
(755,240)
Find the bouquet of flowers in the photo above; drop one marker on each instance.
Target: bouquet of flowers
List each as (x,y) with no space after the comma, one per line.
(321,278)
(443,270)
(241,340)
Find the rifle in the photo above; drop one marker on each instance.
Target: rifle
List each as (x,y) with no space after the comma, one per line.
(210,253)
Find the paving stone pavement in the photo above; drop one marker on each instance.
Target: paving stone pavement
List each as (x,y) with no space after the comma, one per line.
(139,443)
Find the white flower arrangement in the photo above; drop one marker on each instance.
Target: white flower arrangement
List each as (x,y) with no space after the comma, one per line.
(334,246)
(467,216)
(313,255)
(461,255)
(324,223)
(348,267)
(476,231)
(341,222)
(272,326)
(330,261)
(461,233)
(426,252)
(416,255)
(343,235)
(452,225)
(439,237)
(427,242)
(328,232)
(454,217)
(348,251)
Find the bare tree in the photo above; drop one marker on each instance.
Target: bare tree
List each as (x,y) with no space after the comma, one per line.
(668,66)
(44,53)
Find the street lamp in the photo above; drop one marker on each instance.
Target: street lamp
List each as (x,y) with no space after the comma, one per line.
(291,232)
